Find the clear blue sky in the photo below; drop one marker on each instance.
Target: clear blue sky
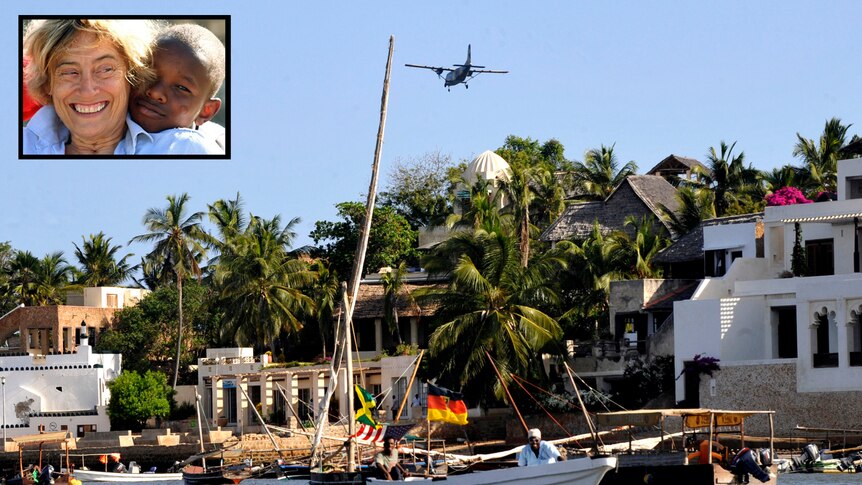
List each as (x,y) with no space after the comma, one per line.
(654,78)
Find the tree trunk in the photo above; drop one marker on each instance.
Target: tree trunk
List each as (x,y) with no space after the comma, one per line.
(397,326)
(179,331)
(525,237)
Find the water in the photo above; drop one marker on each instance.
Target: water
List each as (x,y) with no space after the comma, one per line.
(817,478)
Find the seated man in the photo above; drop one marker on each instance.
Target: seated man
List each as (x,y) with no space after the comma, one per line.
(386,462)
(538,452)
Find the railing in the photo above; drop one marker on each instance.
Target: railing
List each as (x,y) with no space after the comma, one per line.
(229,360)
(618,348)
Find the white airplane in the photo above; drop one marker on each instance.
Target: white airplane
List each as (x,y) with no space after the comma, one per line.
(461,74)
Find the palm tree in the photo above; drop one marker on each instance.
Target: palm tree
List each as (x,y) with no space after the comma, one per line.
(324,292)
(393,288)
(695,205)
(260,284)
(599,174)
(179,243)
(519,193)
(53,275)
(549,197)
(731,181)
(591,266)
(639,251)
(23,277)
(482,209)
(786,176)
(489,305)
(821,161)
(99,266)
(230,221)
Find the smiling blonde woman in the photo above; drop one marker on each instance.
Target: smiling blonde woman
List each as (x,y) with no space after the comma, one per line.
(83,72)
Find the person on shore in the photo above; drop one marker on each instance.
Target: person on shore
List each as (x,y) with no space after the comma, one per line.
(386,461)
(416,406)
(538,452)
(745,463)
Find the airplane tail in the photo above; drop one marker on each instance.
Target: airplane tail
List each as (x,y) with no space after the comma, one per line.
(468,54)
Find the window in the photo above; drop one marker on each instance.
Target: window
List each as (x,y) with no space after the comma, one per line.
(112,300)
(820,257)
(786,332)
(305,404)
(854,187)
(824,339)
(714,263)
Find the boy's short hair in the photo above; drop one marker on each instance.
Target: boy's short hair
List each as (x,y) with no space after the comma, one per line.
(205,44)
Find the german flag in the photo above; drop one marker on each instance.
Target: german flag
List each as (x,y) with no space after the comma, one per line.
(364,406)
(445,405)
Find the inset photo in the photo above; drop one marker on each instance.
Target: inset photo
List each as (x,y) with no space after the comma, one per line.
(124,87)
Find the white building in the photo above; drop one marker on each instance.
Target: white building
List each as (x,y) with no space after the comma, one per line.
(57,392)
(787,343)
(226,376)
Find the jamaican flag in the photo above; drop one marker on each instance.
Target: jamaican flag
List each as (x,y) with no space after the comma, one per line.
(364,406)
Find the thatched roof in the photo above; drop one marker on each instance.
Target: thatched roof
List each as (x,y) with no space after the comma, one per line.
(689,247)
(675,163)
(854,148)
(369,301)
(636,195)
(663,300)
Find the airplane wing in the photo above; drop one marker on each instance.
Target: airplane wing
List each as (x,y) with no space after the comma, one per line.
(438,70)
(489,71)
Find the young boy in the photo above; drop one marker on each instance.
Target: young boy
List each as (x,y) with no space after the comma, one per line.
(190,63)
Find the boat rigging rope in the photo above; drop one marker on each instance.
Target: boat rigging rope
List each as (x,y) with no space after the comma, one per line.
(518,381)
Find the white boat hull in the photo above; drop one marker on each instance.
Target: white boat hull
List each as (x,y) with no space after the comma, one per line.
(96,476)
(577,471)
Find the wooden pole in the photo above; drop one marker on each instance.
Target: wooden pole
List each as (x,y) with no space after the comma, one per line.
(351,422)
(428,446)
(505,388)
(409,385)
(365,232)
(583,408)
(200,427)
(262,423)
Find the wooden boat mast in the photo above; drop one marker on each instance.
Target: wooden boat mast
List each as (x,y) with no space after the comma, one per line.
(358,264)
(362,246)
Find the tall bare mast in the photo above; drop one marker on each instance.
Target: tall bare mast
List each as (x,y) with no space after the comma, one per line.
(361,248)
(359,262)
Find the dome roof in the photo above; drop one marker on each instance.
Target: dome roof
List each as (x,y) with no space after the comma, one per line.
(489,166)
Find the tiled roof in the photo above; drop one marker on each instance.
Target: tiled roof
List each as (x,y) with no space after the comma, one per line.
(636,195)
(689,247)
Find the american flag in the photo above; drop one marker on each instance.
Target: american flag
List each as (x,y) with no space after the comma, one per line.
(367,435)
